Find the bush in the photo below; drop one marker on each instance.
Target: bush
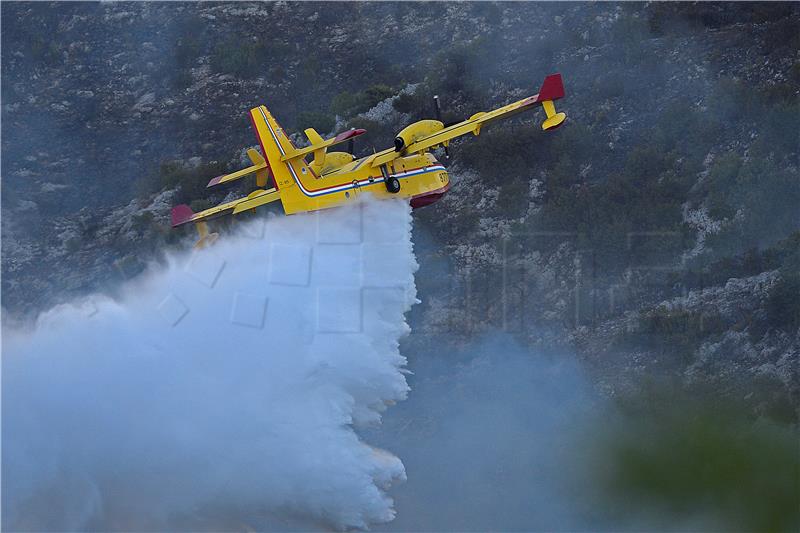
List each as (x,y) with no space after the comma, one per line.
(720,182)
(701,460)
(764,193)
(644,162)
(462,69)
(187,50)
(783,303)
(347,104)
(684,128)
(411,104)
(200,205)
(514,196)
(379,136)
(420,106)
(515,147)
(377,93)
(644,199)
(44,51)
(678,331)
(182,78)
(190,181)
(243,59)
(143,221)
(322,122)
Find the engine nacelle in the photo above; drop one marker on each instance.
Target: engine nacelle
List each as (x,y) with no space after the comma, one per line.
(413,132)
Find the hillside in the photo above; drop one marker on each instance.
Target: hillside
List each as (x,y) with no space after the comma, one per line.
(656,234)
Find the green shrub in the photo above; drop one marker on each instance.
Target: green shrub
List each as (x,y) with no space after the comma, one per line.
(344,103)
(322,122)
(514,196)
(645,162)
(784,255)
(675,331)
(411,104)
(703,461)
(45,51)
(720,181)
(182,78)
(347,104)
(190,181)
(685,129)
(200,204)
(142,221)
(764,193)
(515,146)
(245,59)
(187,50)
(378,137)
(783,302)
(376,93)
(461,69)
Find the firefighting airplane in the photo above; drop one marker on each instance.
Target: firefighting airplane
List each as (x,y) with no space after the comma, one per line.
(407,170)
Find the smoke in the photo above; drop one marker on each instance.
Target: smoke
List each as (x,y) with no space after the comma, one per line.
(496,437)
(221,391)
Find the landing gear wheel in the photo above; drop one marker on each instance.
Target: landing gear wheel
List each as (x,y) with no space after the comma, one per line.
(393,185)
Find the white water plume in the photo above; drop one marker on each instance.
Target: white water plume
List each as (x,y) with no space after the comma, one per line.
(222,391)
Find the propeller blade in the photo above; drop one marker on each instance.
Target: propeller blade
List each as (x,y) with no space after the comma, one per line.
(438,111)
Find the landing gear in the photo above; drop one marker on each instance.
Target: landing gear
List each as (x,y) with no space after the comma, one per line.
(392,184)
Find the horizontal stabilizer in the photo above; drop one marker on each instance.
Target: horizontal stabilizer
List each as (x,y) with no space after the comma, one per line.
(302,152)
(237,175)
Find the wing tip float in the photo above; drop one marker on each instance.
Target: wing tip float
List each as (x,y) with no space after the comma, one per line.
(181,214)
(552,89)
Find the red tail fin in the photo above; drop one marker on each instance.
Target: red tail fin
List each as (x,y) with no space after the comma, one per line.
(181,214)
(552,88)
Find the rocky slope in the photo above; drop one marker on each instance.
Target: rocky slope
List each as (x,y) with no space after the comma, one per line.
(649,234)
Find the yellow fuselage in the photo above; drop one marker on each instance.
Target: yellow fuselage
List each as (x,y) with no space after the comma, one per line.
(421,177)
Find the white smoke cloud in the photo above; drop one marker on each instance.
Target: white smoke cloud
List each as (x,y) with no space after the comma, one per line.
(221,391)
(496,437)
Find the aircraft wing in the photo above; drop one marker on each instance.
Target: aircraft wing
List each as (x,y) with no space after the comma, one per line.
(552,89)
(183,214)
(236,175)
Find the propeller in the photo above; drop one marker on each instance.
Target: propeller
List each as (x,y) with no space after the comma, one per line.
(438,110)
